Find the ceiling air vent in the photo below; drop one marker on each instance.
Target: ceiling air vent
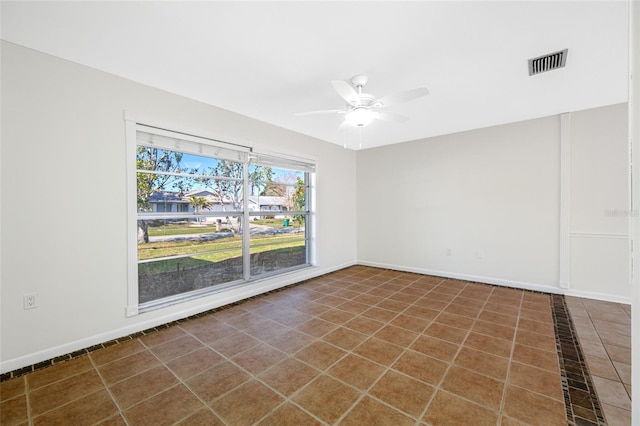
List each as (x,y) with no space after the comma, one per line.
(548,62)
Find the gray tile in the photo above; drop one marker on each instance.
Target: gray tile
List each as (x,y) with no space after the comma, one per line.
(626,308)
(612,392)
(586,330)
(578,311)
(615,315)
(605,327)
(616,416)
(602,367)
(624,371)
(593,348)
(619,353)
(616,340)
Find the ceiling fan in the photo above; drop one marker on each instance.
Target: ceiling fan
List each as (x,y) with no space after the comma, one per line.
(363,108)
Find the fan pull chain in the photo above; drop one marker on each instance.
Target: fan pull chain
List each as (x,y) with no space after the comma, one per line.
(344,135)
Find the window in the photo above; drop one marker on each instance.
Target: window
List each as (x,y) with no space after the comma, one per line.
(278,239)
(210,215)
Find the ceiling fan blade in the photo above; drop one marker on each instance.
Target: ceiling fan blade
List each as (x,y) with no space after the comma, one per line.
(401,97)
(328,111)
(346,92)
(390,116)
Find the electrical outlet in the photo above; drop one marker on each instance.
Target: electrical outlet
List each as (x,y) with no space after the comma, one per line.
(30,301)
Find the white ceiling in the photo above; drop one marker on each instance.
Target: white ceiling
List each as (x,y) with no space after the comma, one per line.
(268,60)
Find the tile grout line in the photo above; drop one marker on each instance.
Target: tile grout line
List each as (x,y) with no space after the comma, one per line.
(289,399)
(31,418)
(192,391)
(180,381)
(350,352)
(365,393)
(27,391)
(615,368)
(503,400)
(437,387)
(611,361)
(388,367)
(446,371)
(113,398)
(225,358)
(286,399)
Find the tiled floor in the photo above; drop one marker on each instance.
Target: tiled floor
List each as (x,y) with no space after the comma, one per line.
(361,346)
(604,330)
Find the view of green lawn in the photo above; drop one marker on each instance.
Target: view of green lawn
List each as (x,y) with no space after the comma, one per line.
(207,250)
(181,228)
(185,228)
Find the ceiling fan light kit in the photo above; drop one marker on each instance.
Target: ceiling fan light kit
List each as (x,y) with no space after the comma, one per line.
(360,116)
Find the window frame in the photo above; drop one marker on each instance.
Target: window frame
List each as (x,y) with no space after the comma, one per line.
(208,147)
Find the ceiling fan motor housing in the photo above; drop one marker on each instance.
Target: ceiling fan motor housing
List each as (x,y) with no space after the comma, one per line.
(366,99)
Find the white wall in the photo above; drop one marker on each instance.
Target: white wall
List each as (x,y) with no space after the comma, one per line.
(599,204)
(64,206)
(484,205)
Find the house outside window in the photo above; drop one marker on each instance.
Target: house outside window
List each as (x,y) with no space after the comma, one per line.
(210,216)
